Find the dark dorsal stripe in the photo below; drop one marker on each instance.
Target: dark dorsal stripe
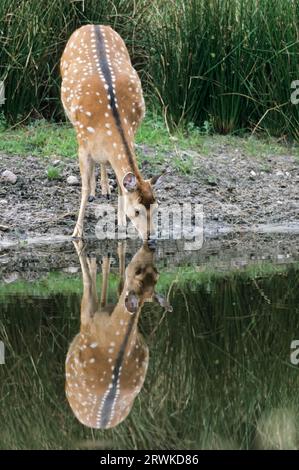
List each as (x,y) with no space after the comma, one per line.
(110,399)
(101,52)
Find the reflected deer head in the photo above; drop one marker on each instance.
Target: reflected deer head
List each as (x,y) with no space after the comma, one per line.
(107,361)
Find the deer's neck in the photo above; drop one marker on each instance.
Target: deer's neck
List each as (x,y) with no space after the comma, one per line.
(116,329)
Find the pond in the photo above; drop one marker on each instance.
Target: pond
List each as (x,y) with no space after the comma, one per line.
(206,364)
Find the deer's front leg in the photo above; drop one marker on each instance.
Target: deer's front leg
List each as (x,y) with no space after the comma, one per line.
(87,173)
(89,303)
(121,216)
(121,250)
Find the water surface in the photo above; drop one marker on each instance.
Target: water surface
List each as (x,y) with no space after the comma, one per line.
(219,373)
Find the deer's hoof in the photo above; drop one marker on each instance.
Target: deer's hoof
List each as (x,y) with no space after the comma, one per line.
(91,198)
(77,234)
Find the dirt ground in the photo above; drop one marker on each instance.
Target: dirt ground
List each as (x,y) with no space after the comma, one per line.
(238,193)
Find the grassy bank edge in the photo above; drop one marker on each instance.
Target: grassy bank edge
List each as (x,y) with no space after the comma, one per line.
(57,282)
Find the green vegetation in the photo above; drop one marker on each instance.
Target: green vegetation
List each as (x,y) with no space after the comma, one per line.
(59,283)
(45,139)
(31,43)
(40,138)
(53,173)
(224,66)
(229,63)
(219,372)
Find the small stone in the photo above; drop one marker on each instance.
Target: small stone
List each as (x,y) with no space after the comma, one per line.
(9,177)
(112,183)
(11,277)
(279,173)
(56,162)
(71,269)
(72,180)
(190,153)
(253,173)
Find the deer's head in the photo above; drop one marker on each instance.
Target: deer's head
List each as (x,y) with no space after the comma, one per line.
(141,279)
(140,203)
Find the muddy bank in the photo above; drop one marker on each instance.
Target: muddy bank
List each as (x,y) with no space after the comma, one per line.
(238,193)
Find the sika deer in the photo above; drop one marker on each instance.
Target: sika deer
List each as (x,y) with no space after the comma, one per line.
(107,361)
(102,96)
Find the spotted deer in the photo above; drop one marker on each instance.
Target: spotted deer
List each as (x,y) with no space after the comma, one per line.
(102,96)
(107,361)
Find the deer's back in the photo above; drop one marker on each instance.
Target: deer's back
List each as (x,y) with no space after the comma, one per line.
(103,377)
(101,91)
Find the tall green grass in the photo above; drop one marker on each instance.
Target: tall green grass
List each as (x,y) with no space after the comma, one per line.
(228,63)
(32,39)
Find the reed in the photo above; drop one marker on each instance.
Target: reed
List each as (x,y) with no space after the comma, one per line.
(32,39)
(228,63)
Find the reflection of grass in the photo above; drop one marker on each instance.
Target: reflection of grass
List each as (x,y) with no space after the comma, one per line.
(63,283)
(230,357)
(52,284)
(219,364)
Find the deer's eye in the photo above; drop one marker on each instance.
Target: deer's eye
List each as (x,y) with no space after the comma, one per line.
(137,212)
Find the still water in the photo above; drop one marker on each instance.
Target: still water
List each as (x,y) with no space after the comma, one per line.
(140,350)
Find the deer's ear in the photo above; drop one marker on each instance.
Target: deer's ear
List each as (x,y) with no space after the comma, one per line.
(154,179)
(130,182)
(131,302)
(161,300)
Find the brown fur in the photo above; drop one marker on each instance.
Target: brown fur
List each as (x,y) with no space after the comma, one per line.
(145,193)
(102,96)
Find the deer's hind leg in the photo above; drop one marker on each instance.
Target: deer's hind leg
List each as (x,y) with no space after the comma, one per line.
(92,194)
(105,182)
(105,279)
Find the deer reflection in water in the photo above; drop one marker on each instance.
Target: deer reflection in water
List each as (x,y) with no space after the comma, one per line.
(107,360)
